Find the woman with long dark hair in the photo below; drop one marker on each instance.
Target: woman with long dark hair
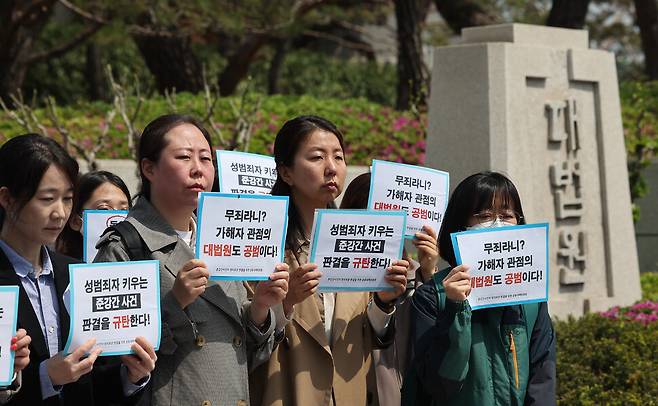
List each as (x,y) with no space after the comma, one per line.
(325,357)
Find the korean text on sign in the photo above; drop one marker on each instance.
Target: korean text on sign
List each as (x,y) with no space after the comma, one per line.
(419,191)
(353,248)
(8,318)
(241,237)
(114,303)
(508,265)
(95,222)
(245,173)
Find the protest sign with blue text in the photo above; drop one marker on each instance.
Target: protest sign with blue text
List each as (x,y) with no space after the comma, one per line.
(94,223)
(241,237)
(8,318)
(419,191)
(353,248)
(245,173)
(114,302)
(508,265)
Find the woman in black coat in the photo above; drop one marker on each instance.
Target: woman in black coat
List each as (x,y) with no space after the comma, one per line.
(37,179)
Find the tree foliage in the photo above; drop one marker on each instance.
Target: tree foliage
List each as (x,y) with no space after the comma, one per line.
(640,119)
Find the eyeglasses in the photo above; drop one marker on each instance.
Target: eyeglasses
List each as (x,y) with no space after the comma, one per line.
(507,216)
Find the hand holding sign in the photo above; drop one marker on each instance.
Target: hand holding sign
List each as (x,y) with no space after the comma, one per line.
(66,369)
(142,362)
(190,282)
(20,344)
(396,276)
(458,284)
(428,253)
(303,283)
(269,293)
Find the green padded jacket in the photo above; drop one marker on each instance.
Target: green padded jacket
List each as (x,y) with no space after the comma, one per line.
(495,356)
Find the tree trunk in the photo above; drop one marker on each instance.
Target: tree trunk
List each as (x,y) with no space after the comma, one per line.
(459,14)
(21,23)
(96,86)
(238,63)
(647,20)
(411,69)
(568,13)
(274,72)
(170,59)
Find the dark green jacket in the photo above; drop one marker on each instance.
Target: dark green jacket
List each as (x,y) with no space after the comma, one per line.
(479,358)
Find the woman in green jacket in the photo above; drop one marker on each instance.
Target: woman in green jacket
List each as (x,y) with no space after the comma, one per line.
(495,356)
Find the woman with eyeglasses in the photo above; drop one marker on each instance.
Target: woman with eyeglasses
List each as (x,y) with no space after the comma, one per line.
(464,357)
(96,190)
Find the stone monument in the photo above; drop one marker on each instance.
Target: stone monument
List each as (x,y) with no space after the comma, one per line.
(537,104)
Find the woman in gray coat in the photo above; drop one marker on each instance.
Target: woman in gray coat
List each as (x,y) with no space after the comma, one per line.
(212,336)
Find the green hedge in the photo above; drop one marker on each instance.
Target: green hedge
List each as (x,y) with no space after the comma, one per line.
(611,358)
(371,130)
(602,361)
(649,281)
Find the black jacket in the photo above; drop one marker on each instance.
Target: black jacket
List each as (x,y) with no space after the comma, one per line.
(102,386)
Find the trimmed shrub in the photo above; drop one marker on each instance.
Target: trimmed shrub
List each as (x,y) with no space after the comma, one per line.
(649,281)
(607,361)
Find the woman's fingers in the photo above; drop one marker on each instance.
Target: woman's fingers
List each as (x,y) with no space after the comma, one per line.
(309,276)
(458,272)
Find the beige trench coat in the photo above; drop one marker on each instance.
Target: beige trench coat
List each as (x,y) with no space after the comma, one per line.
(307,369)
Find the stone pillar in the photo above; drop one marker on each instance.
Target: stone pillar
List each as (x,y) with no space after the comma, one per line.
(537,104)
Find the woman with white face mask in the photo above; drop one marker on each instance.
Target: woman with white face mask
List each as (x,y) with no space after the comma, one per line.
(482,357)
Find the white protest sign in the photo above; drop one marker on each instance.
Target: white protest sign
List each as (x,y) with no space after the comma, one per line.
(94,223)
(353,248)
(421,192)
(114,302)
(241,237)
(242,172)
(508,265)
(8,318)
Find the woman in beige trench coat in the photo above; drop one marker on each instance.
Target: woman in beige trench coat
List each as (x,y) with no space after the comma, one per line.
(324,357)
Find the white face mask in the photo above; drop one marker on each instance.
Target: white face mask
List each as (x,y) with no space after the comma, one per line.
(490,224)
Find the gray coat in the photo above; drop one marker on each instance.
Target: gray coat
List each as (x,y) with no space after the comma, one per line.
(213,365)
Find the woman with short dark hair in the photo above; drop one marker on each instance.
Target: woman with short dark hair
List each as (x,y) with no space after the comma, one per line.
(37,179)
